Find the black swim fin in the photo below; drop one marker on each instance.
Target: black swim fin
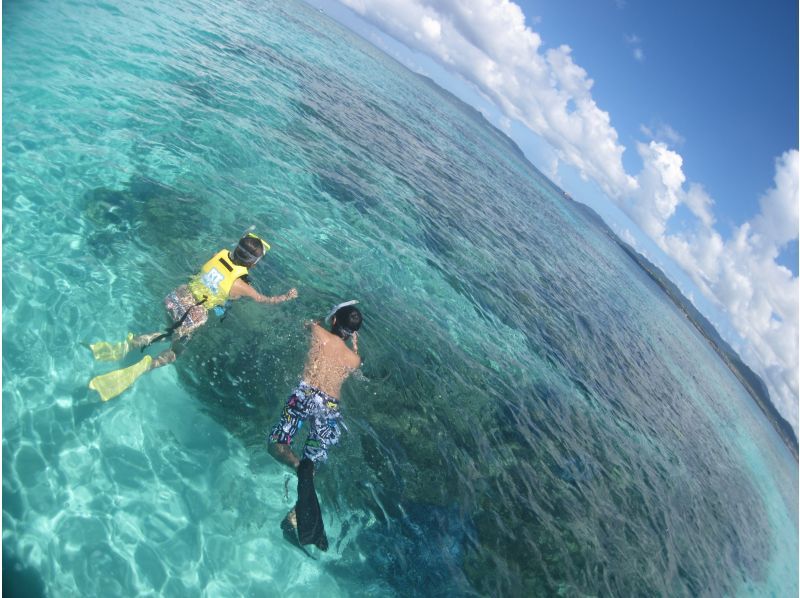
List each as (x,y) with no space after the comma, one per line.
(310,528)
(290,535)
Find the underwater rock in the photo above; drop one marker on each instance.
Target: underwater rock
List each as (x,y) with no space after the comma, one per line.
(420,552)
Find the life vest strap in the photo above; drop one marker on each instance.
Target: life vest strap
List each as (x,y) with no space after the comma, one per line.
(171,330)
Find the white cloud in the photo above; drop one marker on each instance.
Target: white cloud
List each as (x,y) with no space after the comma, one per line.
(488,43)
(431,28)
(627,236)
(659,189)
(741,275)
(777,224)
(662,132)
(635,42)
(552,170)
(700,203)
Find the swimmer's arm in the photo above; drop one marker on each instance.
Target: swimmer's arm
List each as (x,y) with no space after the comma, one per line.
(242,289)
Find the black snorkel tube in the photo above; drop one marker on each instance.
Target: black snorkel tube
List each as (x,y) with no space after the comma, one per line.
(344,333)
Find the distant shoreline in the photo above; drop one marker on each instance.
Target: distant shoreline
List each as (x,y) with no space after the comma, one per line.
(751,381)
(764,403)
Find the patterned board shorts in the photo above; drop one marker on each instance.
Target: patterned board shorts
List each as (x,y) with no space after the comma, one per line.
(178,302)
(321,409)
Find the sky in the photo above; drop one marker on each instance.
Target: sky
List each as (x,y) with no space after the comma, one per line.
(677,121)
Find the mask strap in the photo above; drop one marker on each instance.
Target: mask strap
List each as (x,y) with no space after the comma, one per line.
(249,256)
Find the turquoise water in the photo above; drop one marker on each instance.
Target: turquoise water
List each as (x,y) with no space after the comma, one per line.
(533,416)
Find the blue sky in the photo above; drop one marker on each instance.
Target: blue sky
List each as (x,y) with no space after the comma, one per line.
(676,121)
(722,75)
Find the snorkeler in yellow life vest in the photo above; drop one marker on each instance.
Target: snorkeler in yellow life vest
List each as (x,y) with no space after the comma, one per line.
(221,279)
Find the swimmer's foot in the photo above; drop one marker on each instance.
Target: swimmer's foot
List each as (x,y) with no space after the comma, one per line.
(310,527)
(113,383)
(104,351)
(289,529)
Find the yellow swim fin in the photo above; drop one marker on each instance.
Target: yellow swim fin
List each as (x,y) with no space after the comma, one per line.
(113,383)
(104,351)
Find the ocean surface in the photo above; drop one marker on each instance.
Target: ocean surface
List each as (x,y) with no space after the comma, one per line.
(533,416)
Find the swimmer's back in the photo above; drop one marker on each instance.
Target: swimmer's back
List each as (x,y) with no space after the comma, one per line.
(330,361)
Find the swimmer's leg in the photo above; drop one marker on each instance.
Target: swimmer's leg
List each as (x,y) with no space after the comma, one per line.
(297,409)
(284,454)
(167,357)
(143,340)
(164,358)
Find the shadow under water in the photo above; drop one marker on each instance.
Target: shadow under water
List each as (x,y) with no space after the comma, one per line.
(20,581)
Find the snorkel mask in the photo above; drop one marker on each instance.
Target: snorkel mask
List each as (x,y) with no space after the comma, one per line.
(243,255)
(342,331)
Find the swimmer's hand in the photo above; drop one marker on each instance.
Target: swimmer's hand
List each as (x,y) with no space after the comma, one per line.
(292,294)
(355,342)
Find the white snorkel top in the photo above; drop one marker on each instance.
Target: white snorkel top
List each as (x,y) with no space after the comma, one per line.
(337,308)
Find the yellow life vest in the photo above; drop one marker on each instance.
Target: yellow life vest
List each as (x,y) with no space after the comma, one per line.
(215,279)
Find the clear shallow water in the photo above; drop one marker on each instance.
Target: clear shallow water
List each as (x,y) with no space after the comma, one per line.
(534,416)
